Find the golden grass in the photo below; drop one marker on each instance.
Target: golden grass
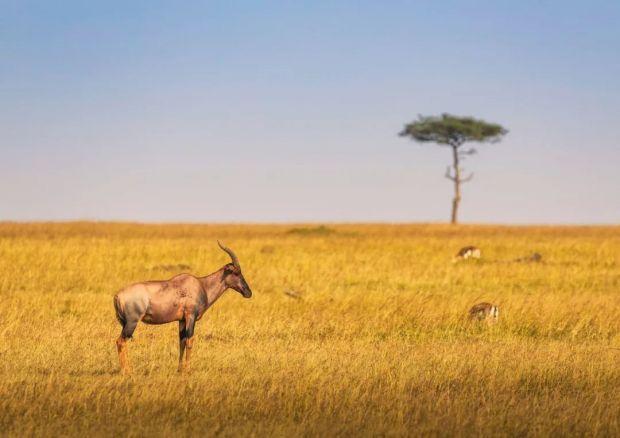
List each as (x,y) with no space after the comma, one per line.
(377,343)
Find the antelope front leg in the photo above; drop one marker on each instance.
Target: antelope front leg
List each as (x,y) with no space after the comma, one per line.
(190,321)
(182,341)
(189,343)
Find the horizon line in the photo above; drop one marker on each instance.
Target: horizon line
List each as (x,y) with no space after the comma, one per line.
(313,222)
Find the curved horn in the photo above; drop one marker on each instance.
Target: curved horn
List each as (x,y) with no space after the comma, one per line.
(232,255)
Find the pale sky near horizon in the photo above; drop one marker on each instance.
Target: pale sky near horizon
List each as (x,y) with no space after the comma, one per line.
(289,111)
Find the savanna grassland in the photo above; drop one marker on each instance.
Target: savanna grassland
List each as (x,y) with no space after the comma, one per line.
(371,338)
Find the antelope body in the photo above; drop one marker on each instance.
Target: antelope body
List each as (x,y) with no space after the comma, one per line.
(484,311)
(183,298)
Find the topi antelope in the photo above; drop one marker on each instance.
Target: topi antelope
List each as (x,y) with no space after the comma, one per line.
(466,253)
(183,298)
(484,311)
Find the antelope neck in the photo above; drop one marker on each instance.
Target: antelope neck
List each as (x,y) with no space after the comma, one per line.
(213,285)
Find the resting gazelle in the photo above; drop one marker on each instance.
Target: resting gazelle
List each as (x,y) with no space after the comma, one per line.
(467,252)
(484,312)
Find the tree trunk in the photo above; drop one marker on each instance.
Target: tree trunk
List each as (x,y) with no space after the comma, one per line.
(457,185)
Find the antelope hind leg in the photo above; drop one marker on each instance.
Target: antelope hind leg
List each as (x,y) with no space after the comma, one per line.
(121,345)
(121,348)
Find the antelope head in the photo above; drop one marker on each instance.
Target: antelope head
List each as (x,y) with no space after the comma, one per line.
(233,278)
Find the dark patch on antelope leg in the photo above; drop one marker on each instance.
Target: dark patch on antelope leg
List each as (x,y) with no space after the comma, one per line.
(182,339)
(128,329)
(190,322)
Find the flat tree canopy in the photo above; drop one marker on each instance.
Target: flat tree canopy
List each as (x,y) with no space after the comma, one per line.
(451,130)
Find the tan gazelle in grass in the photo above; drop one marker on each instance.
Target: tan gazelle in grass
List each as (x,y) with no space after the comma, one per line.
(484,312)
(467,252)
(183,298)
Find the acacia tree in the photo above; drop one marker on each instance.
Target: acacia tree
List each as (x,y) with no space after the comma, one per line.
(452,131)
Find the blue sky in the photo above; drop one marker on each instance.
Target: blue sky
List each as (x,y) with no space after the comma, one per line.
(289,111)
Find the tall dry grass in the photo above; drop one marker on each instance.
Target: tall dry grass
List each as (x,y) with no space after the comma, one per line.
(371,341)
